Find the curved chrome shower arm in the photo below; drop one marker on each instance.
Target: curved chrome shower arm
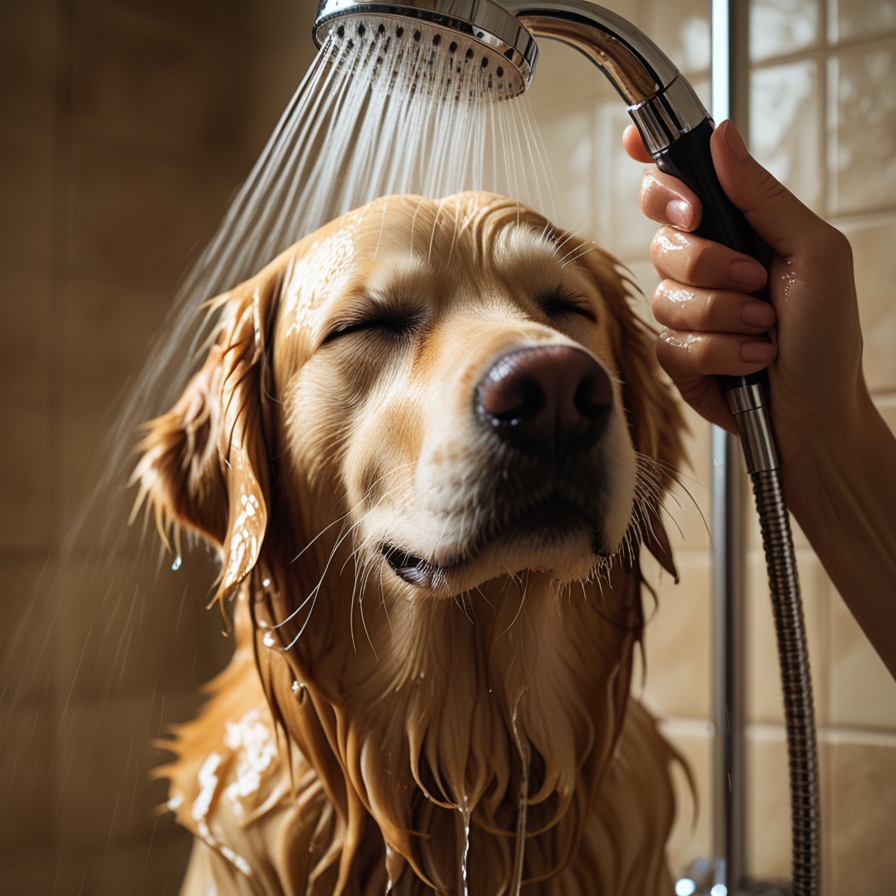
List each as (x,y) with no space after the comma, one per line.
(660,101)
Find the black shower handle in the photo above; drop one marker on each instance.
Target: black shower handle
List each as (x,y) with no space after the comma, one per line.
(689,159)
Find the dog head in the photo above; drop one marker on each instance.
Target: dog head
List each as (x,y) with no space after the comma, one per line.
(417,429)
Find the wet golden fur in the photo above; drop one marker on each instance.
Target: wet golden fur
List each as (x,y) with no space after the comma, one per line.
(365,721)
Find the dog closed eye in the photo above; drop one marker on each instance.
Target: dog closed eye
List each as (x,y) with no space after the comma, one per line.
(379,321)
(560,302)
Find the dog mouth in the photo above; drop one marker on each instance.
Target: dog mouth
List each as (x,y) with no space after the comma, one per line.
(544,529)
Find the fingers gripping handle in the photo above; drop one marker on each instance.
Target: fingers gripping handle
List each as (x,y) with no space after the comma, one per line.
(689,159)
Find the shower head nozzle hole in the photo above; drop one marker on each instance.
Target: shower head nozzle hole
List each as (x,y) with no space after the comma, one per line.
(361,31)
(452,47)
(416,35)
(437,39)
(470,54)
(381,29)
(500,72)
(399,31)
(485,61)
(340,31)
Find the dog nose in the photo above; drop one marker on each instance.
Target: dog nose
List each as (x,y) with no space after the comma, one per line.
(546,399)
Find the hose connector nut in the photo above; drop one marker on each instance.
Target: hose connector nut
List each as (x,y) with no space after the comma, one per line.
(749,404)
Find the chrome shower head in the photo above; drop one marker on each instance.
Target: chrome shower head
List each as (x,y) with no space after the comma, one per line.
(477,33)
(503,41)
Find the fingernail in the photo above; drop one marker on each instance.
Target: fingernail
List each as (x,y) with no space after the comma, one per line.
(757,352)
(735,142)
(749,274)
(757,314)
(679,213)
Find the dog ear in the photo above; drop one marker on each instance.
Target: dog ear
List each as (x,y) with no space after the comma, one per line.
(654,416)
(204,464)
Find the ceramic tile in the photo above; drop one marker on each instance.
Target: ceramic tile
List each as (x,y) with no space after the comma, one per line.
(619,225)
(155,868)
(24,673)
(785,116)
(863,693)
(887,408)
(279,24)
(85,456)
(28,56)
(26,185)
(768,816)
(862,129)
(225,22)
(128,625)
(691,836)
(568,142)
(677,640)
(26,780)
(26,498)
(863,820)
(135,82)
(35,873)
(875,267)
(108,327)
(275,75)
(778,27)
(691,505)
(852,19)
(682,29)
(136,213)
(26,322)
(768,846)
(105,757)
(764,702)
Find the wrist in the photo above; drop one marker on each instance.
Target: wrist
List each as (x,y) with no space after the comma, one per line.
(841,485)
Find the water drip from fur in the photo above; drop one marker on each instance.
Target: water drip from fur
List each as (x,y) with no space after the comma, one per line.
(522,811)
(395,863)
(465,852)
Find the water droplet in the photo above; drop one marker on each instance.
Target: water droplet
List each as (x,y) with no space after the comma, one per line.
(465,814)
(269,639)
(789,278)
(175,565)
(266,583)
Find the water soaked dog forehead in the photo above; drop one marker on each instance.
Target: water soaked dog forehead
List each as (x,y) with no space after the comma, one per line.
(365,249)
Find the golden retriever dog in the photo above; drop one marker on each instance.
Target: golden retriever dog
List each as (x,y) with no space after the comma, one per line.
(429,444)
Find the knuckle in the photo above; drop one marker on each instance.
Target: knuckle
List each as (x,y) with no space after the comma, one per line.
(711,311)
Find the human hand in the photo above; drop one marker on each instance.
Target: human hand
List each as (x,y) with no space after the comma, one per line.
(807,333)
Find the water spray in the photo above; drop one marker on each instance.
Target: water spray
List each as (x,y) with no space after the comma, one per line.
(451,39)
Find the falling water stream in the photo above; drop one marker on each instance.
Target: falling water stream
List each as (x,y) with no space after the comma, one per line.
(373,116)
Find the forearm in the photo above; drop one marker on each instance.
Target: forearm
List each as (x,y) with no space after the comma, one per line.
(842,492)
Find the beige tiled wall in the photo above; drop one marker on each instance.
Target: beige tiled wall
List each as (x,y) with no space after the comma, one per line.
(125,127)
(823,119)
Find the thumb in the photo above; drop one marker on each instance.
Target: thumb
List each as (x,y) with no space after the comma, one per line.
(770,208)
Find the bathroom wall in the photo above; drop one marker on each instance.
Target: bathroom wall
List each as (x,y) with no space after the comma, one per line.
(823,99)
(125,127)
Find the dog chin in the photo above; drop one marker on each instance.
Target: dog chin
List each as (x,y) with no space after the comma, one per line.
(567,557)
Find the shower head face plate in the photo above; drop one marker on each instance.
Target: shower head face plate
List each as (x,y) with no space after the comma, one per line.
(462,33)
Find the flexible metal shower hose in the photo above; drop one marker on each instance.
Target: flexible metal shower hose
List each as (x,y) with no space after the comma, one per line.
(796,680)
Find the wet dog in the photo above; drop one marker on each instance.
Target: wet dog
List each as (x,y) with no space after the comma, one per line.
(429,444)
